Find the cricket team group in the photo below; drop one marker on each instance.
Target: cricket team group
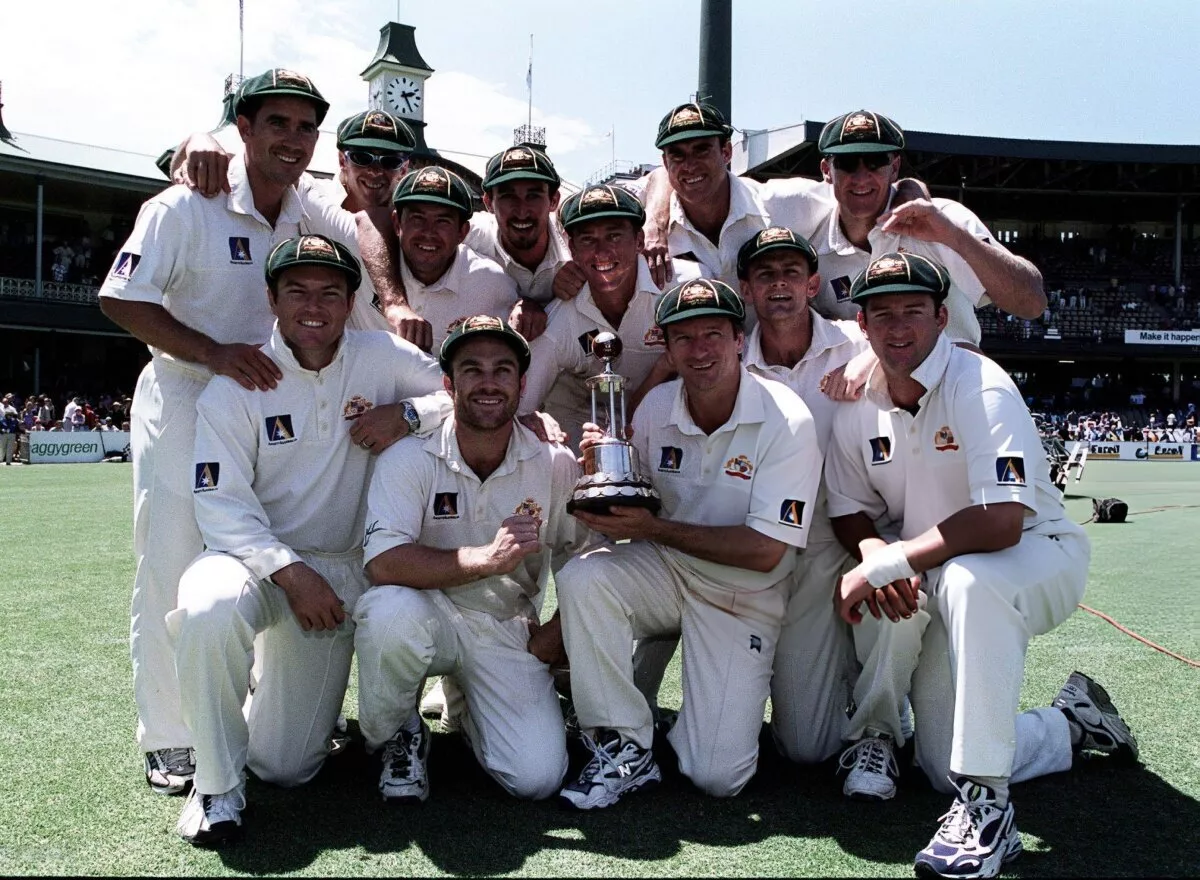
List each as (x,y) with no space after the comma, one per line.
(360,429)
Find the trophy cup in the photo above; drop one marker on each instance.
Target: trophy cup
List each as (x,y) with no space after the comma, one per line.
(610,467)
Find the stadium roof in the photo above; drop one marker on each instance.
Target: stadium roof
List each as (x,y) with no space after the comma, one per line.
(82,163)
(951,161)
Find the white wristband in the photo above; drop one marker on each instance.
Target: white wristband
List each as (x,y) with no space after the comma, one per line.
(886,565)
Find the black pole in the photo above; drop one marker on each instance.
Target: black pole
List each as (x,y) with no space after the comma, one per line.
(716,40)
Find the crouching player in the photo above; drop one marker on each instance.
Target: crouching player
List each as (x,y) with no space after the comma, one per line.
(464,530)
(280,480)
(942,443)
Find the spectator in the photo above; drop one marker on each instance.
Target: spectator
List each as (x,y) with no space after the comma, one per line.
(46,410)
(10,430)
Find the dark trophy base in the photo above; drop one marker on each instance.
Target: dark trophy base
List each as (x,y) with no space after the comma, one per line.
(599,498)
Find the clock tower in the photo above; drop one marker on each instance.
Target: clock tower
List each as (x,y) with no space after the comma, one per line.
(396,78)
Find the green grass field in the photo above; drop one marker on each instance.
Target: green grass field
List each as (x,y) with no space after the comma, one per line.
(73,800)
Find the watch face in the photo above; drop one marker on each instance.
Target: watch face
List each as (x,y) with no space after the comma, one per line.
(403,96)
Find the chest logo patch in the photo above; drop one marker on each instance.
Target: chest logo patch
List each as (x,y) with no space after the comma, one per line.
(356,406)
(881,450)
(841,288)
(654,338)
(279,430)
(125,265)
(529,507)
(208,474)
(1010,470)
(791,513)
(740,467)
(585,341)
(239,249)
(445,505)
(671,459)
(943,440)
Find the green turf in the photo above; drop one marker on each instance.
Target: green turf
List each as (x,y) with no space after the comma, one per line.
(73,801)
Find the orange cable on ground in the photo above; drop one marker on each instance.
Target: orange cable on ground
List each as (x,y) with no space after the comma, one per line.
(1142,639)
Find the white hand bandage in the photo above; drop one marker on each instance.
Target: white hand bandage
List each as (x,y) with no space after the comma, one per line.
(886,565)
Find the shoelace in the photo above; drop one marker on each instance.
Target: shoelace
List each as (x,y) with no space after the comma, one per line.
(396,752)
(175,760)
(224,807)
(958,824)
(871,755)
(600,757)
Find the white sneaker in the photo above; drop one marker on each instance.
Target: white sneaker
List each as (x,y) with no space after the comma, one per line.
(405,778)
(433,704)
(977,838)
(873,771)
(170,771)
(209,819)
(1087,704)
(615,769)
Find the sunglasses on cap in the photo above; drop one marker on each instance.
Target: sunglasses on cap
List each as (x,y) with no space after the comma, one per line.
(848,162)
(365,159)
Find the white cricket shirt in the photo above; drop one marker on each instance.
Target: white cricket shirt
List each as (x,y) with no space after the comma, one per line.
(535,284)
(473,285)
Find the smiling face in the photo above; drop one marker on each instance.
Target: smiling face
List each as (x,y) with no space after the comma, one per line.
(862,193)
(902,328)
(705,352)
(371,185)
(607,252)
(696,167)
(522,209)
(429,236)
(778,285)
(312,304)
(486,383)
(280,139)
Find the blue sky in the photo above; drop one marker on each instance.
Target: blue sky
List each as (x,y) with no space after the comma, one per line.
(140,73)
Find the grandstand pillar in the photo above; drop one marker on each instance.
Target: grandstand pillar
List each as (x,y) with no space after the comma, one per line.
(1176,371)
(1178,252)
(37,244)
(716,41)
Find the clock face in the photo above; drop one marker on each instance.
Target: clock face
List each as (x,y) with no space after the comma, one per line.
(403,96)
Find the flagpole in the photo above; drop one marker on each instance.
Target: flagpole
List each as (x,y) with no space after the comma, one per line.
(529,82)
(241,39)
(614,147)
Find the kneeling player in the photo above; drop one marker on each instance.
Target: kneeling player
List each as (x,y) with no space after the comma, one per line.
(279,486)
(464,530)
(942,443)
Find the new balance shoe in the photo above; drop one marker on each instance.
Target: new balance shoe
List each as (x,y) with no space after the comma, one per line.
(873,771)
(405,777)
(211,819)
(977,838)
(170,771)
(616,769)
(339,739)
(1086,704)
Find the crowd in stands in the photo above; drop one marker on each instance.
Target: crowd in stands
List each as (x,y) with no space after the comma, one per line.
(38,412)
(71,253)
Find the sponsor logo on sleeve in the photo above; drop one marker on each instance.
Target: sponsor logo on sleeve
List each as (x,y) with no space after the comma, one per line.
(445,505)
(126,265)
(1010,470)
(841,288)
(671,459)
(791,513)
(208,474)
(371,529)
(756,644)
(239,249)
(279,430)
(881,450)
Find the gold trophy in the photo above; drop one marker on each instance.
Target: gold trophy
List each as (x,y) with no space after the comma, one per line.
(610,466)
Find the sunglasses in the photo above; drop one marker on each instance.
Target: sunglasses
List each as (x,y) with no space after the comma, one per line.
(848,162)
(365,159)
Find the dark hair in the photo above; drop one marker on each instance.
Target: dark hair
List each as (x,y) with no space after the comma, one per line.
(463,216)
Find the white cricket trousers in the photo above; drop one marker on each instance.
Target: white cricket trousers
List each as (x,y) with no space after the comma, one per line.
(165,539)
(968,665)
(615,594)
(814,668)
(511,718)
(222,606)
(8,447)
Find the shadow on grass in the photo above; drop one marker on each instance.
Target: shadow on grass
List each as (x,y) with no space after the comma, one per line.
(1097,819)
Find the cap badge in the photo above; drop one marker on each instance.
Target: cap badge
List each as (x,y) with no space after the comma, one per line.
(858,123)
(482,322)
(378,120)
(697,293)
(886,267)
(285,77)
(775,233)
(312,244)
(686,116)
(597,196)
(518,156)
(431,179)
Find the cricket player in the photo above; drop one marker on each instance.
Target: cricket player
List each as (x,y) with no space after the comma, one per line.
(737,463)
(279,485)
(188,283)
(604,226)
(941,442)
(464,530)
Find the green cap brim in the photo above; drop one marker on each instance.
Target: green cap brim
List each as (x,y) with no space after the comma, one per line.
(899,287)
(354,278)
(521,174)
(864,147)
(446,354)
(370,143)
(433,200)
(690,134)
(784,246)
(605,215)
(701,313)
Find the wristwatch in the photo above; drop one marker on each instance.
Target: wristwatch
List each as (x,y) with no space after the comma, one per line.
(411,416)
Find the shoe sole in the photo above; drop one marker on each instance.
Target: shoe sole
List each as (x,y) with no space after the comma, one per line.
(650,780)
(923,869)
(216,836)
(869,796)
(170,790)
(404,799)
